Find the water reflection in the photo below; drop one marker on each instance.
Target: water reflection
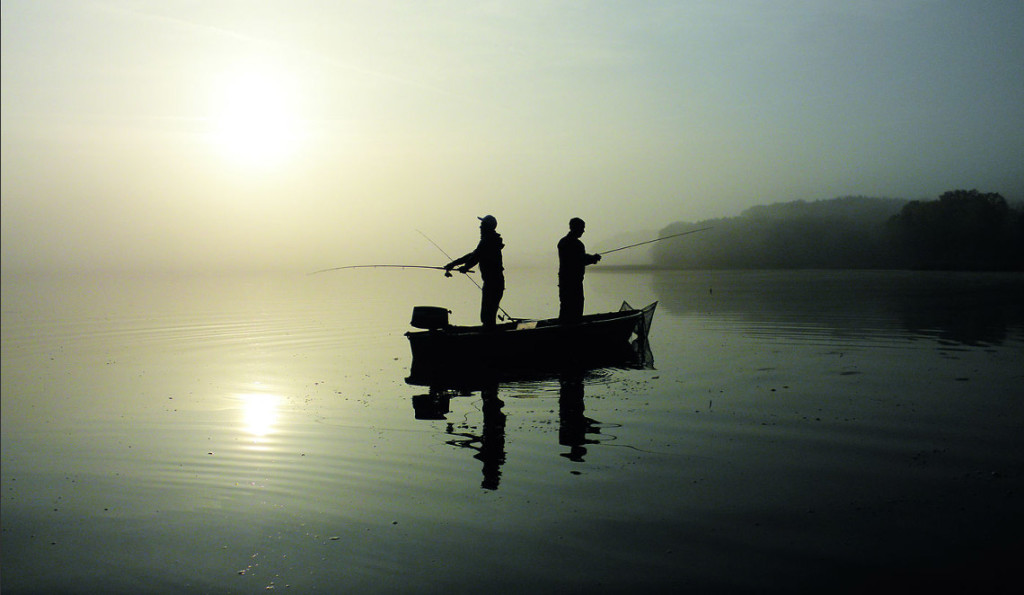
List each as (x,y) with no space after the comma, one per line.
(436,404)
(952,308)
(575,430)
(489,444)
(573,425)
(259,413)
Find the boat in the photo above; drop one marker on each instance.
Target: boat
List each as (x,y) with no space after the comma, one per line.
(445,354)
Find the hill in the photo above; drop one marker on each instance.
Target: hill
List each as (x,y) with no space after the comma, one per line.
(961,230)
(845,232)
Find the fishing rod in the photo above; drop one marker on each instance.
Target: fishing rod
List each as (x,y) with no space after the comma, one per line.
(448,272)
(676,235)
(384,266)
(446,255)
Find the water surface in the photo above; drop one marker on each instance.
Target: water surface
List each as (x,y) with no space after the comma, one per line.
(801,431)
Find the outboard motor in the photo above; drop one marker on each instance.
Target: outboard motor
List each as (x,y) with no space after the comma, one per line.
(430,317)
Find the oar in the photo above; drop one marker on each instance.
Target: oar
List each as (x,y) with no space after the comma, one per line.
(380,266)
(675,235)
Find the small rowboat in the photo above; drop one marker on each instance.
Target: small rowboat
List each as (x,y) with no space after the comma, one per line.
(448,354)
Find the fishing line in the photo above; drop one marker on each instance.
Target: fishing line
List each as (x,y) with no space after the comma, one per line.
(676,235)
(478,286)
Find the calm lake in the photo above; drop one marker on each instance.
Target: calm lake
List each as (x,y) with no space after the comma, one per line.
(800,432)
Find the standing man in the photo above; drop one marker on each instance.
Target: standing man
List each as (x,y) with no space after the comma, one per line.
(572,263)
(488,255)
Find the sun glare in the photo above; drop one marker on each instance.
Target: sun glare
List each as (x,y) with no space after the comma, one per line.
(259,413)
(257,121)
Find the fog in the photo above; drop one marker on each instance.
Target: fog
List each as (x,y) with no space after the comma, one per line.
(156,135)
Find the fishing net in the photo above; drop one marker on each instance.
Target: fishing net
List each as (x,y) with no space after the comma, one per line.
(641,346)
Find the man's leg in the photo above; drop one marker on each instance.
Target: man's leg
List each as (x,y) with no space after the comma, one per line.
(490,302)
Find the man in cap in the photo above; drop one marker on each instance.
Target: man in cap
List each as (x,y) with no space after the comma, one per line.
(572,263)
(488,255)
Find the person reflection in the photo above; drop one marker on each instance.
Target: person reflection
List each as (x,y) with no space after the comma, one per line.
(573,426)
(490,444)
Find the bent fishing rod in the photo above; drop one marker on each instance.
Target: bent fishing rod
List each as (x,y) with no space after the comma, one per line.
(388,266)
(447,273)
(675,235)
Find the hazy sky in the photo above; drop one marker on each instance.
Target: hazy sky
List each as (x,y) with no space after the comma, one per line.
(317,134)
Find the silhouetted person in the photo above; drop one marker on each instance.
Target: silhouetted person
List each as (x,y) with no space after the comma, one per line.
(572,263)
(488,255)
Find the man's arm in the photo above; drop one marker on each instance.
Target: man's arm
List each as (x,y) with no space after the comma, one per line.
(468,261)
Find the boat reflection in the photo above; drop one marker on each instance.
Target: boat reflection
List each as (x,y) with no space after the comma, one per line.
(576,431)
(489,444)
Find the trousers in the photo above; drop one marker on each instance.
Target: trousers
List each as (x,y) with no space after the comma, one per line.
(491,301)
(570,301)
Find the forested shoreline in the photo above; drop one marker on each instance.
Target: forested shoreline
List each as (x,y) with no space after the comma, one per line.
(961,230)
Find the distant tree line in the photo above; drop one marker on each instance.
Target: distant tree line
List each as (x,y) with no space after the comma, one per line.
(962,230)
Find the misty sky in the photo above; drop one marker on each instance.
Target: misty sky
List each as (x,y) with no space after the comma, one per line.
(316,134)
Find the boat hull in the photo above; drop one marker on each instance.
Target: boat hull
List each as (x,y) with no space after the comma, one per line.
(453,353)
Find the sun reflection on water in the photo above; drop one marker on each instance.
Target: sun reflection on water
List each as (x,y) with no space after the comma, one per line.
(259,413)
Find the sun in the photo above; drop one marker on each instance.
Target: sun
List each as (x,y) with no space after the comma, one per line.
(256,121)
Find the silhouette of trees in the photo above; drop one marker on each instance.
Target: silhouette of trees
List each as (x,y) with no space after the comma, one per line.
(847,232)
(962,230)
